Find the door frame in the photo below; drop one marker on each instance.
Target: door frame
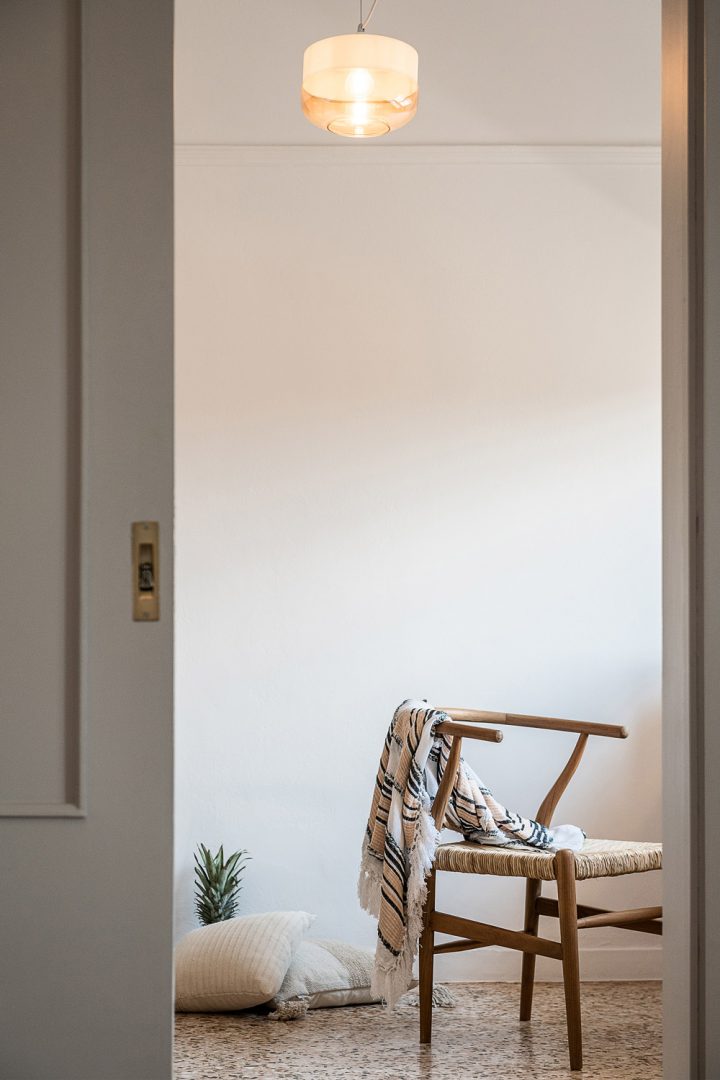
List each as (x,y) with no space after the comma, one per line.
(691,528)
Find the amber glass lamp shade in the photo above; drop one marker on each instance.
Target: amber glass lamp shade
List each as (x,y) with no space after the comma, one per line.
(360,85)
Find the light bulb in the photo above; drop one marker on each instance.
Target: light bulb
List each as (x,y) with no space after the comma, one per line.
(359,112)
(359,84)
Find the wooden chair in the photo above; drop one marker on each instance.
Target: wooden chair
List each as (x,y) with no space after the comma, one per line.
(599,858)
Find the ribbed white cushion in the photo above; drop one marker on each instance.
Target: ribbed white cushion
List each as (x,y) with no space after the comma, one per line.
(327,973)
(237,963)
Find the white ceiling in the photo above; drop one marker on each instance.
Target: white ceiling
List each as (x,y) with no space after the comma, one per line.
(491,71)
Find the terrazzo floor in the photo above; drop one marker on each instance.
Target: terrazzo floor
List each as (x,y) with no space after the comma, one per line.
(480,1038)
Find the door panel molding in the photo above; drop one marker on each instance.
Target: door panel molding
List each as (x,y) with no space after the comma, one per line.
(64,766)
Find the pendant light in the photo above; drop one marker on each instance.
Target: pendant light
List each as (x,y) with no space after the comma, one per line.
(360,85)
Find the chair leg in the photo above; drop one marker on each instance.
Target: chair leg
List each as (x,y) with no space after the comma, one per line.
(532,892)
(427,941)
(567,910)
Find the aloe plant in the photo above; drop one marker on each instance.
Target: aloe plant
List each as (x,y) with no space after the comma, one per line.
(217,883)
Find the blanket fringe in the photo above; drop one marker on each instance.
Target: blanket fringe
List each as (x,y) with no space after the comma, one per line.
(290,1010)
(392,975)
(370,881)
(442,998)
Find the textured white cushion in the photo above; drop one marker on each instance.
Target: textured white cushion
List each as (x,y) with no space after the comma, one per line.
(237,963)
(327,973)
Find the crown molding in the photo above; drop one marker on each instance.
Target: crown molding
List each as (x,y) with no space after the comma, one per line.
(204,155)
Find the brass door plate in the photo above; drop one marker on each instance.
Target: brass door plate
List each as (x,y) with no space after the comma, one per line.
(145,571)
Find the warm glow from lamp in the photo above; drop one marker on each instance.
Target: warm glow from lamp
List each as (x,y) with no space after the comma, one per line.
(360,85)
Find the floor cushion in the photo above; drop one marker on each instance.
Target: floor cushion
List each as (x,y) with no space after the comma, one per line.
(324,974)
(238,963)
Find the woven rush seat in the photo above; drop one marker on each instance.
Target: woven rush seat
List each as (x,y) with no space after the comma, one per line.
(598,858)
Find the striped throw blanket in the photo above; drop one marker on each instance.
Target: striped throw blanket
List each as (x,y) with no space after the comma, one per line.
(401,838)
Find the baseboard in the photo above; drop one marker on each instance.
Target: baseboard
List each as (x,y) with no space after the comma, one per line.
(631,964)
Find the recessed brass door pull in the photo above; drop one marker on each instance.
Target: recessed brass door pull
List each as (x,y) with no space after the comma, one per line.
(145,580)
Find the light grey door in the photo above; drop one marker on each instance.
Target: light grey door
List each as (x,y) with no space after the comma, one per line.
(85,450)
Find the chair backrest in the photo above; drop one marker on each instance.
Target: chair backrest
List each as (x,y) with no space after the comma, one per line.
(460,726)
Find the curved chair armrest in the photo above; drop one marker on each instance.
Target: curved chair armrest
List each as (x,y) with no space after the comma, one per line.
(549,723)
(464,731)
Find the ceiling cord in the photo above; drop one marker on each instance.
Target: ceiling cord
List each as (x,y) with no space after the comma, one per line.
(363,22)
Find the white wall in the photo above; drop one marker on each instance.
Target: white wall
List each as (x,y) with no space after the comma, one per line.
(417,454)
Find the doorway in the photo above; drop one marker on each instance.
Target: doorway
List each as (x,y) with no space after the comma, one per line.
(430,491)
